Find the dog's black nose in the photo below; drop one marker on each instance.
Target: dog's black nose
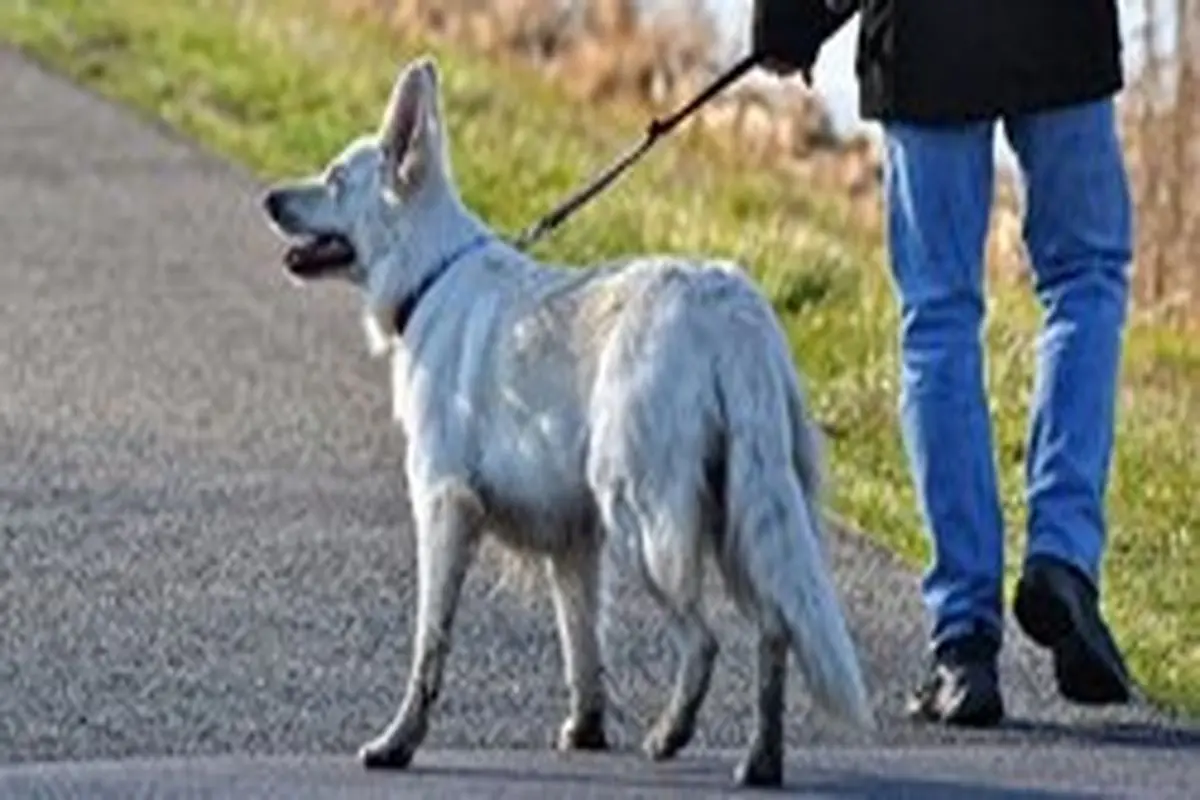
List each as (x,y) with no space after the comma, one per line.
(273,202)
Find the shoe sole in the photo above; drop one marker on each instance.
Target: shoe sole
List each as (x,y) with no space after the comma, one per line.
(1086,666)
(987,716)
(986,710)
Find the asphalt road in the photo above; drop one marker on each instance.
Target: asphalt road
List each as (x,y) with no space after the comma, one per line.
(205,545)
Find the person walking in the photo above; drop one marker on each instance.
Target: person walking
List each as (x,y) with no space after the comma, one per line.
(939,75)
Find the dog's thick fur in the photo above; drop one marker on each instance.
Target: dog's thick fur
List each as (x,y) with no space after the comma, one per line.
(650,407)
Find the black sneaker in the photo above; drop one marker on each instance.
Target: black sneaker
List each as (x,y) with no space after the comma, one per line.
(1057,607)
(963,686)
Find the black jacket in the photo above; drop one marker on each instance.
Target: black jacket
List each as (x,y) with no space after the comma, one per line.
(943,61)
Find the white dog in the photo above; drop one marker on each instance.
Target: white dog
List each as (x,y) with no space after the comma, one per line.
(651,407)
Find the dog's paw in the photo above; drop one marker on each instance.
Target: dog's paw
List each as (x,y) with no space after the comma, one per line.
(762,766)
(386,752)
(666,739)
(583,733)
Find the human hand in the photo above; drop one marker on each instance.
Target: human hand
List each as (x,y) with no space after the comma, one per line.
(783,68)
(777,37)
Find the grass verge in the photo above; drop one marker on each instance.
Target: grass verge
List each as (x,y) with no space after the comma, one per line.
(279,84)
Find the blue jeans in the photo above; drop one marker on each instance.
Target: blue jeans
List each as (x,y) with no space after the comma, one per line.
(1078,232)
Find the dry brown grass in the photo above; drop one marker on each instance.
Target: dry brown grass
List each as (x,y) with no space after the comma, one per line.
(1162,145)
(605,52)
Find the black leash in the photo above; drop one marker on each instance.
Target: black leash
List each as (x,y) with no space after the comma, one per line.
(656,130)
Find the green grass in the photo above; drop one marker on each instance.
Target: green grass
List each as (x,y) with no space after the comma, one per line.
(279,84)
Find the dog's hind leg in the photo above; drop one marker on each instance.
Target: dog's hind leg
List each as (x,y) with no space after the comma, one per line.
(667,538)
(448,529)
(575,581)
(762,764)
(698,648)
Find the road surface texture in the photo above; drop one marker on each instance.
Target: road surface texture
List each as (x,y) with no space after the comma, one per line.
(206,568)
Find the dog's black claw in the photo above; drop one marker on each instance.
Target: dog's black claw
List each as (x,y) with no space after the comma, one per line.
(762,766)
(377,756)
(664,742)
(758,773)
(584,734)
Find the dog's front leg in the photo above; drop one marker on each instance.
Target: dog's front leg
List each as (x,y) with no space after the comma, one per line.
(448,529)
(575,586)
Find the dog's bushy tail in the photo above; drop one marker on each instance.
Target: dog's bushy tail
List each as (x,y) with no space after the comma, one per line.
(774,537)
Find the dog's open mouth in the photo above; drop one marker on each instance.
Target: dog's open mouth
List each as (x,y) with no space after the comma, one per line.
(318,255)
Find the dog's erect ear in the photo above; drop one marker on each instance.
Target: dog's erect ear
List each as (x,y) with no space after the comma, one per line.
(410,132)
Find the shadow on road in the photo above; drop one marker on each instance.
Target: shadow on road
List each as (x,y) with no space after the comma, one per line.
(706,780)
(1156,736)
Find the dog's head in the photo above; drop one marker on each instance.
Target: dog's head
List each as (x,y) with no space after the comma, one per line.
(362,218)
